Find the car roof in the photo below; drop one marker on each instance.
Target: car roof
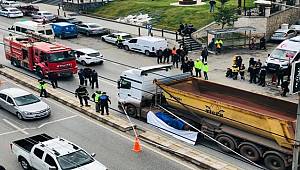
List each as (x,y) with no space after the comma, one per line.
(60,146)
(44,12)
(292,44)
(282,30)
(120,33)
(149,38)
(14,92)
(87,50)
(91,23)
(62,24)
(10,8)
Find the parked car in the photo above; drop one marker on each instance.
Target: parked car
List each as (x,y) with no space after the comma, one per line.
(11,12)
(23,104)
(112,38)
(87,56)
(43,15)
(66,19)
(283,34)
(91,29)
(64,30)
(296,26)
(6,4)
(44,152)
(147,45)
(29,10)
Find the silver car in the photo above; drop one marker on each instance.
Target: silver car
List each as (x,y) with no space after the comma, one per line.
(283,34)
(23,104)
(91,29)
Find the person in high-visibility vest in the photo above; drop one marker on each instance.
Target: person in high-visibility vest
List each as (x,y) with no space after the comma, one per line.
(205,70)
(119,41)
(235,71)
(96,97)
(218,44)
(42,86)
(198,66)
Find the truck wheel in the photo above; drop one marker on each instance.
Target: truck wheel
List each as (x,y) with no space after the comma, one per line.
(250,151)
(126,48)
(227,141)
(25,165)
(15,63)
(274,162)
(147,53)
(131,110)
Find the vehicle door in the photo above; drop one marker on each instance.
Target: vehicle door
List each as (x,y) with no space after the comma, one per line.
(110,38)
(124,86)
(11,106)
(50,162)
(133,45)
(37,159)
(3,100)
(82,28)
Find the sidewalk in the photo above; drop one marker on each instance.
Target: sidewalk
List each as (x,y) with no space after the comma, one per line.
(175,147)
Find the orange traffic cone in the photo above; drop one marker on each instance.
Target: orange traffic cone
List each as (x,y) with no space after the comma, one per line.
(137,146)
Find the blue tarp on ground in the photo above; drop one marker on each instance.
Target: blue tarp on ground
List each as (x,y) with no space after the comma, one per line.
(169,120)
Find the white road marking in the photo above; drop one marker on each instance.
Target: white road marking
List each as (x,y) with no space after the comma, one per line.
(16,127)
(10,132)
(54,121)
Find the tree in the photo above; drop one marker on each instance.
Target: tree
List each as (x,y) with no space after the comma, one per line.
(225,16)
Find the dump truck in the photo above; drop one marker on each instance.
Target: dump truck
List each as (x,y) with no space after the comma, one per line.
(259,127)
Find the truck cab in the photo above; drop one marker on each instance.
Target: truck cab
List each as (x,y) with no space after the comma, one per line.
(136,86)
(43,152)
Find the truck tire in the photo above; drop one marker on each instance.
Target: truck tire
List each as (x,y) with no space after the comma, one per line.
(228,141)
(24,163)
(15,62)
(126,48)
(131,110)
(274,162)
(147,53)
(250,151)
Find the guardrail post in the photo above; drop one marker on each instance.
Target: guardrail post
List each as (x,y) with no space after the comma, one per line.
(162,32)
(139,31)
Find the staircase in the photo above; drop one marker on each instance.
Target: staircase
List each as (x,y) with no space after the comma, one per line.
(190,43)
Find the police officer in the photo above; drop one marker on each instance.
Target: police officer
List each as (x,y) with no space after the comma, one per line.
(82,94)
(96,97)
(95,79)
(42,86)
(205,70)
(198,66)
(119,41)
(104,99)
(53,78)
(242,71)
(235,71)
(262,76)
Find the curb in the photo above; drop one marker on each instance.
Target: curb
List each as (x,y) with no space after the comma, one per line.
(194,156)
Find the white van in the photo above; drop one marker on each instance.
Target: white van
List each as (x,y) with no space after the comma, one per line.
(285,53)
(24,27)
(147,45)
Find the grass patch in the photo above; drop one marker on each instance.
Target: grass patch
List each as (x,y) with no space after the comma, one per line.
(164,16)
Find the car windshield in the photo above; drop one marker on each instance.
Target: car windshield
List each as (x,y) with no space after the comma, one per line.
(59,56)
(283,54)
(47,14)
(26,100)
(126,36)
(94,26)
(97,54)
(74,160)
(14,10)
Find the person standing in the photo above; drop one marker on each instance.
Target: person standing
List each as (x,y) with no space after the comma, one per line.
(81,77)
(96,99)
(94,79)
(176,60)
(235,71)
(53,79)
(198,65)
(252,75)
(262,76)
(262,43)
(242,71)
(239,61)
(204,54)
(42,86)
(166,54)
(159,54)
(218,44)
(82,94)
(212,4)
(257,68)
(173,53)
(190,64)
(184,66)
(205,70)
(285,88)
(280,75)
(119,41)
(104,99)
(87,73)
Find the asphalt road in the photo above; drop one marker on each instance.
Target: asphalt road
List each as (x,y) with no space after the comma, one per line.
(108,70)
(113,148)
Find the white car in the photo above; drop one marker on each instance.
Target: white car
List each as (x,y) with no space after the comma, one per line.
(23,104)
(10,4)
(112,38)
(296,26)
(11,12)
(87,56)
(41,15)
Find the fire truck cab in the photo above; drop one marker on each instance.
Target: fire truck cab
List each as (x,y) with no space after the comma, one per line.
(40,57)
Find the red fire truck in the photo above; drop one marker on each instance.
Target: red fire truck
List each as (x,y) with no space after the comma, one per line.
(41,57)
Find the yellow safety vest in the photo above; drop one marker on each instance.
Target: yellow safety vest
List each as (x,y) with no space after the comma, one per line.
(97,95)
(40,86)
(198,64)
(205,68)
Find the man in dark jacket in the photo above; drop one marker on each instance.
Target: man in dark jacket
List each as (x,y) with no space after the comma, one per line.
(81,77)
(94,79)
(53,79)
(184,66)
(190,64)
(252,74)
(204,54)
(262,76)
(166,54)
(285,88)
(104,99)
(82,94)
(87,73)
(280,75)
(159,55)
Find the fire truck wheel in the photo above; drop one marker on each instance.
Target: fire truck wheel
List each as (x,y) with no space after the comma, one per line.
(15,63)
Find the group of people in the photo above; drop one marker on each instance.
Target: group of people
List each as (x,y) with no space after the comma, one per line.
(216,45)
(177,55)
(186,29)
(257,73)
(262,43)
(87,75)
